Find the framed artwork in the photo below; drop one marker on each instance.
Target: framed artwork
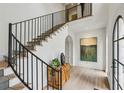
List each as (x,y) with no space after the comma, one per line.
(88,49)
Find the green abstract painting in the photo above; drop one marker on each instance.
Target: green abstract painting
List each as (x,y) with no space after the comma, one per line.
(88,49)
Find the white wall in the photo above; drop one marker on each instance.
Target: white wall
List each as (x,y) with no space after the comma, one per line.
(54,45)
(114,11)
(100,34)
(1,56)
(19,12)
(90,27)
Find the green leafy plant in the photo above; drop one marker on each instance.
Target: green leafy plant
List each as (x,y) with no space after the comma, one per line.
(55,64)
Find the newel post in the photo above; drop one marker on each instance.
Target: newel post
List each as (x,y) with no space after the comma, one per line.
(10,44)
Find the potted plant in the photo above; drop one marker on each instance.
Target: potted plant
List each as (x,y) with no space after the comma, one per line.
(55,64)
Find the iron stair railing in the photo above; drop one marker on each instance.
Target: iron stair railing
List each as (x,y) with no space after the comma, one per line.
(24,35)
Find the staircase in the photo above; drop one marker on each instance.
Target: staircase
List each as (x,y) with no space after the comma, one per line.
(31,71)
(9,79)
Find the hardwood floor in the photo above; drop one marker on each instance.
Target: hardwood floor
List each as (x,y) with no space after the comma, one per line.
(86,79)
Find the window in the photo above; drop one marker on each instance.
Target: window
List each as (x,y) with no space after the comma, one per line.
(118,54)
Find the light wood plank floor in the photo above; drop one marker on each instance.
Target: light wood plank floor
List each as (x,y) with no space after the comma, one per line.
(86,79)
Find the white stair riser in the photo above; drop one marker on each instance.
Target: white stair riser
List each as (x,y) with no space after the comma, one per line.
(14,81)
(8,71)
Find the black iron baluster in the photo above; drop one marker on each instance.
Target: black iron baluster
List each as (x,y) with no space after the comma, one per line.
(19,59)
(49,22)
(61,78)
(58,81)
(21,32)
(16,47)
(47,78)
(23,63)
(32,70)
(24,33)
(42,24)
(35,28)
(16,55)
(45,24)
(36,73)
(52,22)
(27,68)
(28,31)
(10,45)
(13,60)
(48,28)
(42,74)
(32,30)
(38,26)
(16,30)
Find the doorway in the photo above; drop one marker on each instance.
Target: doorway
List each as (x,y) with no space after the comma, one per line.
(69,50)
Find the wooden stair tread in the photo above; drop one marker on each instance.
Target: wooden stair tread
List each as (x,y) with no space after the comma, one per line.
(33,42)
(43,37)
(11,76)
(45,34)
(40,38)
(8,77)
(30,47)
(3,65)
(18,86)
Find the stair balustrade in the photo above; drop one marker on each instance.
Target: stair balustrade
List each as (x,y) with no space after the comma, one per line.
(25,35)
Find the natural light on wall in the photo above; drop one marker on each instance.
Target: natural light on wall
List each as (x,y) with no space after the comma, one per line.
(89,41)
